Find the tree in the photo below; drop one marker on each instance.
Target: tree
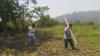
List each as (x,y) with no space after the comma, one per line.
(9,10)
(27,2)
(39,14)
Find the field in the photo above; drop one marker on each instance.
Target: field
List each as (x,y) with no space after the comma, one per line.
(49,42)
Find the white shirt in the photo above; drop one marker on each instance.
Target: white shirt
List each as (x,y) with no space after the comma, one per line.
(66,37)
(65,29)
(31,31)
(64,33)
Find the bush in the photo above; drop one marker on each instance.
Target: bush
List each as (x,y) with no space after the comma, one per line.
(90,23)
(10,26)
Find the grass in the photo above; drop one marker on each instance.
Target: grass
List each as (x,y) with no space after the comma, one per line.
(50,41)
(89,40)
(54,30)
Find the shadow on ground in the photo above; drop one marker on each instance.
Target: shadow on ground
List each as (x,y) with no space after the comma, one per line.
(16,44)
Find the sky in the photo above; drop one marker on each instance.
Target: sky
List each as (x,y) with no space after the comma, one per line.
(61,7)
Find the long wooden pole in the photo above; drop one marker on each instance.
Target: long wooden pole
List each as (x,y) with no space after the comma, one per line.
(71,31)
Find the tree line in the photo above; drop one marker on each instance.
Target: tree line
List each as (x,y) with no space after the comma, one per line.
(16,16)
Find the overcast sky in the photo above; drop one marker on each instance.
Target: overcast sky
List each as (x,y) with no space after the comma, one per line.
(60,7)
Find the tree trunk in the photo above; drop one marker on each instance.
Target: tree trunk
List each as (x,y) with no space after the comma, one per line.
(16,25)
(4,25)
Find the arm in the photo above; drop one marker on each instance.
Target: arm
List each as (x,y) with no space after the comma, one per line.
(33,30)
(66,29)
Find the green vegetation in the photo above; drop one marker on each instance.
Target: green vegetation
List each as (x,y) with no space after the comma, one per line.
(50,41)
(15,18)
(59,29)
(87,37)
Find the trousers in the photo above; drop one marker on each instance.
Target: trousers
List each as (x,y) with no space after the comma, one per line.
(70,42)
(31,39)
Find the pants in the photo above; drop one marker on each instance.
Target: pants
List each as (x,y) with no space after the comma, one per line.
(31,39)
(70,41)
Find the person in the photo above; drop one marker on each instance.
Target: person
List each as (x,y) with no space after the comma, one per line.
(68,37)
(31,36)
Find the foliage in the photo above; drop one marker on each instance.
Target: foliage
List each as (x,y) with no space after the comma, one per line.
(9,10)
(83,23)
(27,2)
(89,42)
(90,23)
(43,19)
(77,23)
(39,11)
(46,21)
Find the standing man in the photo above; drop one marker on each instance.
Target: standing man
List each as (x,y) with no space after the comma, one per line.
(68,37)
(31,36)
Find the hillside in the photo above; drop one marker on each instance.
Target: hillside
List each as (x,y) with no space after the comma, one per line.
(82,16)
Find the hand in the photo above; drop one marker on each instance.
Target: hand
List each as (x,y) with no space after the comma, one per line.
(68,29)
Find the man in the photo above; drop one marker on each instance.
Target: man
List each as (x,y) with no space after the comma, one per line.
(31,36)
(68,37)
